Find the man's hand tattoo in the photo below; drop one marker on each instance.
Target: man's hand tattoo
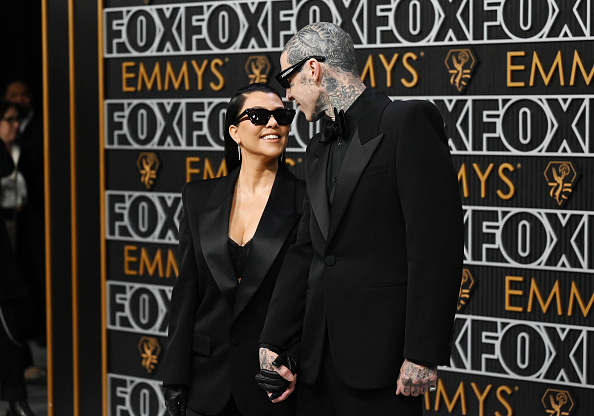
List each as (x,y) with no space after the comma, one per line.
(415,379)
(275,379)
(416,374)
(266,359)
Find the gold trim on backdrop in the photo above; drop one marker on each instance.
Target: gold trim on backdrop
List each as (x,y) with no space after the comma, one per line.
(47,212)
(102,208)
(73,208)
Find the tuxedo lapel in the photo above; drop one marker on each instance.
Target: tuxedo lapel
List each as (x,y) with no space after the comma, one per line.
(354,163)
(315,172)
(213,223)
(277,221)
(362,147)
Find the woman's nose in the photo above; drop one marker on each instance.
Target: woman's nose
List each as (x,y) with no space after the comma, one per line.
(272,122)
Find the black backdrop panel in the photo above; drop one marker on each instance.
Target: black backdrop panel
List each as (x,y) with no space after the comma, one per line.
(547,69)
(513,81)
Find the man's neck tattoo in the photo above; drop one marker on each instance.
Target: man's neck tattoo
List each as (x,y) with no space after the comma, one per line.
(340,95)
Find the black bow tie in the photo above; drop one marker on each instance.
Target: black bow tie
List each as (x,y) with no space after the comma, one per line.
(337,128)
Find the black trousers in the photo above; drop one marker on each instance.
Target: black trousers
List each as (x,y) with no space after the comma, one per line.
(229,410)
(12,380)
(329,396)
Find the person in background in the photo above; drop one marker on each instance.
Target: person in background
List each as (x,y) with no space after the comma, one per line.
(12,286)
(234,233)
(369,290)
(31,166)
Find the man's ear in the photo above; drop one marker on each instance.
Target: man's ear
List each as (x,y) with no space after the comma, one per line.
(315,69)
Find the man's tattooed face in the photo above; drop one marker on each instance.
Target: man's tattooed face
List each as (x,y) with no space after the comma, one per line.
(303,91)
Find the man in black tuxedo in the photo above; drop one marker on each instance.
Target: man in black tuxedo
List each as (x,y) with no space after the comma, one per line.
(12,381)
(369,291)
(31,165)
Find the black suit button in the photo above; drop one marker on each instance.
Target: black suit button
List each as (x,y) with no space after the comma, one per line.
(236,341)
(330,260)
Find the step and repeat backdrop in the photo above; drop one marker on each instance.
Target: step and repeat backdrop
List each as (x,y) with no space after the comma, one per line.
(513,80)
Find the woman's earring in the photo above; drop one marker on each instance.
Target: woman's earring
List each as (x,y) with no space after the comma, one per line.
(239,152)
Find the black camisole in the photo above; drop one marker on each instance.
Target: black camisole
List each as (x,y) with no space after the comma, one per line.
(239,255)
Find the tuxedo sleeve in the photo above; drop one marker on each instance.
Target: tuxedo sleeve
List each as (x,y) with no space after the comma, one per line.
(184,303)
(284,320)
(428,188)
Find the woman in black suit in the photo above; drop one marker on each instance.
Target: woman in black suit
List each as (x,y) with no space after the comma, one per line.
(234,233)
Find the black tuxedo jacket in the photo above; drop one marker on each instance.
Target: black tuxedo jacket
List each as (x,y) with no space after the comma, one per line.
(31,165)
(11,280)
(215,323)
(378,272)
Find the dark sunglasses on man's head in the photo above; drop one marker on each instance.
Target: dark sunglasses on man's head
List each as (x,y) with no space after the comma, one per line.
(260,116)
(283,76)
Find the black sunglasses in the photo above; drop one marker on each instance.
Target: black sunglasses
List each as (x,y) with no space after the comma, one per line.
(283,76)
(260,116)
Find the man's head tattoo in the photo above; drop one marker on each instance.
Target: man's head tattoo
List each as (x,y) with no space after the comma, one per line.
(327,40)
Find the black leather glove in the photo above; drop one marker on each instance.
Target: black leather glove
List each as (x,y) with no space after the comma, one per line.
(176,399)
(287,361)
(273,382)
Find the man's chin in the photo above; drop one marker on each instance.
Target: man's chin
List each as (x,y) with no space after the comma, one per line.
(314,117)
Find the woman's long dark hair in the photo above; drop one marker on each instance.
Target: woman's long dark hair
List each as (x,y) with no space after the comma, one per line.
(233,109)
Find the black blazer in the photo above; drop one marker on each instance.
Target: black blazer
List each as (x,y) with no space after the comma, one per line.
(11,280)
(380,268)
(215,324)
